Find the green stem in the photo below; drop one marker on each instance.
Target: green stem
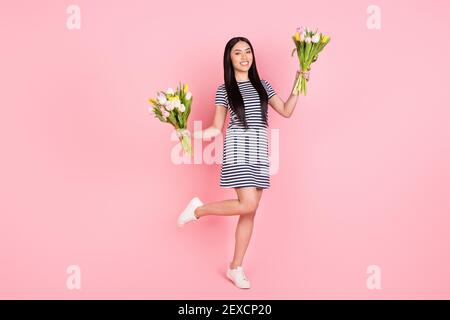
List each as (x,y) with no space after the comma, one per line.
(186,143)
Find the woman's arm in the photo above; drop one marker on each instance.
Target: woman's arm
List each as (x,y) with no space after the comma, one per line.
(217,126)
(285,108)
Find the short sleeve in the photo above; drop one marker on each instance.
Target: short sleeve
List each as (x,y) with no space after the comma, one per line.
(269,89)
(221,96)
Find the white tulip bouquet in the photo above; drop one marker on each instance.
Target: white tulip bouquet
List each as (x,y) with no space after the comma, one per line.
(174,107)
(308,45)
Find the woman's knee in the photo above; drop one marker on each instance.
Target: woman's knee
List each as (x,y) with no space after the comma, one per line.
(249,199)
(249,207)
(251,214)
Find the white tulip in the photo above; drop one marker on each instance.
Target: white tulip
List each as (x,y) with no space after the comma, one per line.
(308,39)
(161,99)
(169,106)
(316,38)
(182,108)
(302,36)
(170,91)
(188,95)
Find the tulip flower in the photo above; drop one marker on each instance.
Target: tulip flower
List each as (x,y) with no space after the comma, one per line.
(308,45)
(174,107)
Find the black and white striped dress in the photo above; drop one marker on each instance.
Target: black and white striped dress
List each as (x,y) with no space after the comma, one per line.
(245,160)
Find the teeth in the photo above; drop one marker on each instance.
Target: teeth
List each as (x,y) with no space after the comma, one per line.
(244,63)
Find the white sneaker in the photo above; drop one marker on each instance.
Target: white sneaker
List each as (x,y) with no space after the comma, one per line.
(238,277)
(188,213)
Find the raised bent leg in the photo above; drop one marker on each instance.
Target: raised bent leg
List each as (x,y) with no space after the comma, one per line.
(246,203)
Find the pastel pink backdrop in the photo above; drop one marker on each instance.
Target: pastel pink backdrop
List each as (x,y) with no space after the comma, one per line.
(87,178)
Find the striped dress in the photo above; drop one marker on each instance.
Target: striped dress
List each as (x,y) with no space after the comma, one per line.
(245,160)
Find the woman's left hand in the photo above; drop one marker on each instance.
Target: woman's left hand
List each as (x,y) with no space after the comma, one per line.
(305,74)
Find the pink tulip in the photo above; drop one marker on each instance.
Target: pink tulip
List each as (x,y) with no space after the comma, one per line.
(300,29)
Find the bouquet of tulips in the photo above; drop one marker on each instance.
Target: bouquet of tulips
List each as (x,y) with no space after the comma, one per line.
(308,44)
(173,107)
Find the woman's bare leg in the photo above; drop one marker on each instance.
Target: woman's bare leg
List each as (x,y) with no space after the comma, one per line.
(244,226)
(246,203)
(245,206)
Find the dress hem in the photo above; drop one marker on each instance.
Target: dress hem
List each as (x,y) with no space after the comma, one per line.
(245,186)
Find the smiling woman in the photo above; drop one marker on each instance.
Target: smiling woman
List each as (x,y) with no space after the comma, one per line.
(243,56)
(239,65)
(245,162)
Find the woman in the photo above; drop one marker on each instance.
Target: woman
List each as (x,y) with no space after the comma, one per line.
(245,163)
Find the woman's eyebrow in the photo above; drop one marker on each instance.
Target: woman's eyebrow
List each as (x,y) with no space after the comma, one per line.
(240,49)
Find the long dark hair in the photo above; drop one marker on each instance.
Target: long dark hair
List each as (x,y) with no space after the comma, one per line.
(235,99)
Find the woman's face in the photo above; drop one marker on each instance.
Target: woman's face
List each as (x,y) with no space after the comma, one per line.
(241,53)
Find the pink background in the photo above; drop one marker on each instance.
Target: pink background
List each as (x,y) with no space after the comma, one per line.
(87,178)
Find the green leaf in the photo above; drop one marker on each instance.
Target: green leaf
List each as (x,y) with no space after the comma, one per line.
(160,117)
(157,111)
(171,118)
(188,108)
(180,120)
(307,50)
